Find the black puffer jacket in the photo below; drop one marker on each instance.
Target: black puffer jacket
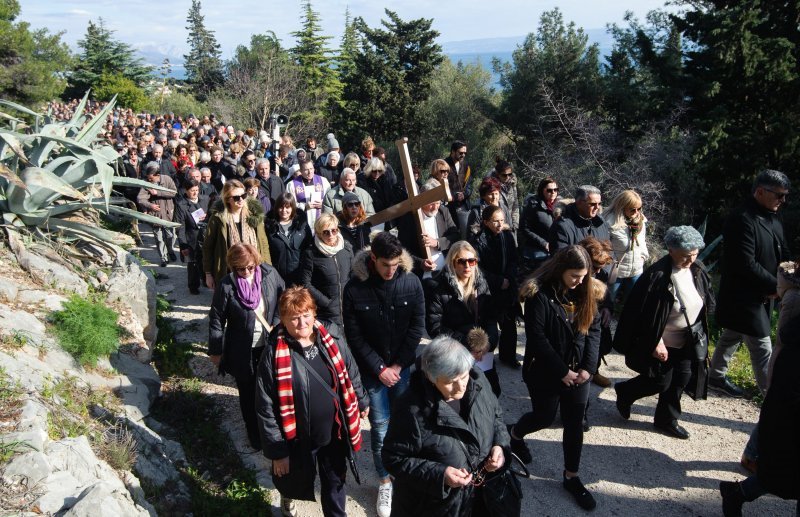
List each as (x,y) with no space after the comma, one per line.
(380,190)
(535,224)
(423,440)
(571,229)
(384,320)
(230,324)
(273,440)
(358,239)
(447,313)
(498,261)
(647,309)
(552,345)
(287,251)
(325,277)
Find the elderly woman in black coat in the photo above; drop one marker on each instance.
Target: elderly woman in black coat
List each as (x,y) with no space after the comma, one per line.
(325,269)
(309,400)
(243,312)
(671,294)
(443,431)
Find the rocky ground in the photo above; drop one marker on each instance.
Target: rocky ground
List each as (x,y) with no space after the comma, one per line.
(630,467)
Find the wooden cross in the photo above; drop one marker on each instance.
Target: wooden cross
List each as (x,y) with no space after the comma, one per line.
(415,200)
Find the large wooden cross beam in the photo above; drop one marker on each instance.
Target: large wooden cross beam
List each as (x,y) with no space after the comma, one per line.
(415,200)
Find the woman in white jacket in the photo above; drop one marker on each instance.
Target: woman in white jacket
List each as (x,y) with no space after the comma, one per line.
(627,223)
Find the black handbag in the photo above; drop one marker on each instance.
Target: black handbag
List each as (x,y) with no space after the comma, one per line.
(500,490)
(697,339)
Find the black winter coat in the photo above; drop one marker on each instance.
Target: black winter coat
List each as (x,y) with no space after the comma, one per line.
(753,246)
(552,345)
(381,190)
(360,238)
(498,261)
(535,224)
(325,277)
(273,441)
(647,309)
(231,325)
(287,251)
(447,313)
(423,440)
(778,426)
(384,320)
(571,229)
(189,229)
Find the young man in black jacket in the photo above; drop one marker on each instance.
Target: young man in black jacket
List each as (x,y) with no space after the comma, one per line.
(384,320)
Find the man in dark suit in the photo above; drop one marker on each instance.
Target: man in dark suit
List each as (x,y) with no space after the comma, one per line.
(580,219)
(753,246)
(439,232)
(165,166)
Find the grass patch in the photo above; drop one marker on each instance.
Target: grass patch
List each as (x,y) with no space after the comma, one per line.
(10,406)
(14,340)
(219,482)
(86,328)
(69,402)
(118,448)
(171,357)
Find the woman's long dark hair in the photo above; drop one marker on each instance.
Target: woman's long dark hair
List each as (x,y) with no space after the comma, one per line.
(588,293)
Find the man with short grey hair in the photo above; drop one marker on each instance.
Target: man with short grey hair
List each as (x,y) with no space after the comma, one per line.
(753,246)
(580,219)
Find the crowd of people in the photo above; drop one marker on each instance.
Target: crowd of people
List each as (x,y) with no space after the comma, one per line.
(318,315)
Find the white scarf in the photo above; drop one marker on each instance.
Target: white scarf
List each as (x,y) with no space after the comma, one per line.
(330,251)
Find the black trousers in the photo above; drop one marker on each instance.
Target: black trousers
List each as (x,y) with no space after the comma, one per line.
(508,333)
(672,377)
(572,401)
(194,268)
(247,400)
(332,466)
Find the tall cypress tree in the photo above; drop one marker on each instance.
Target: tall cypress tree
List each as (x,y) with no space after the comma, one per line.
(204,61)
(314,58)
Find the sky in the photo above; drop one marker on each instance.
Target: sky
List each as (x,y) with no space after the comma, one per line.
(161,25)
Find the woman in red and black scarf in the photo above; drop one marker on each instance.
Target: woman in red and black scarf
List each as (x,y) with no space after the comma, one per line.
(308,400)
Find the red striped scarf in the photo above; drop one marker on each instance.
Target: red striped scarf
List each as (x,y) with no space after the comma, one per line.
(283,373)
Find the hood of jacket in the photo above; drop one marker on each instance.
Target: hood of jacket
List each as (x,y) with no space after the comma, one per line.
(361,264)
(255,215)
(788,277)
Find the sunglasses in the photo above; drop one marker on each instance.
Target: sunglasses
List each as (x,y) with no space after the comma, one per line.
(444,171)
(246,269)
(778,195)
(464,261)
(551,190)
(635,209)
(504,175)
(239,198)
(332,231)
(352,204)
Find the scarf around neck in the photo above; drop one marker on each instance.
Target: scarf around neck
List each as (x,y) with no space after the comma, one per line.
(249,293)
(635,227)
(248,235)
(344,387)
(330,251)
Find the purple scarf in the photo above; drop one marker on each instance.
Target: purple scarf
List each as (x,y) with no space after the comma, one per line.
(249,295)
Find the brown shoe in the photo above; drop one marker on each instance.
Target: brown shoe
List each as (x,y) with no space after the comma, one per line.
(601,380)
(749,464)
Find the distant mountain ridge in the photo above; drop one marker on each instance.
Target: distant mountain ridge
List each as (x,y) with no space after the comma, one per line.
(467,51)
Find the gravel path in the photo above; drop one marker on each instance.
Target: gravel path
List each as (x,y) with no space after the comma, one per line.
(630,467)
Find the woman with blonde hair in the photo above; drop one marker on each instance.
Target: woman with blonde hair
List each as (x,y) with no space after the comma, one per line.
(458,300)
(234,219)
(627,223)
(562,338)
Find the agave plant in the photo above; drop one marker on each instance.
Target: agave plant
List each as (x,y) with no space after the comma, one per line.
(56,178)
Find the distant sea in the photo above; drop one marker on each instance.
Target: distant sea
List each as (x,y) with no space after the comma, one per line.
(484,59)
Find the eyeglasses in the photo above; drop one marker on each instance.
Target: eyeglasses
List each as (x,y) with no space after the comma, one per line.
(246,269)
(352,204)
(331,232)
(551,190)
(778,195)
(464,261)
(239,198)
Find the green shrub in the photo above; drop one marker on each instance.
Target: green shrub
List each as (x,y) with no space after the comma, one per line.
(128,94)
(87,329)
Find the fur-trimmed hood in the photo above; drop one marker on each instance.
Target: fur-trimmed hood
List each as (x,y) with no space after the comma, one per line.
(361,264)
(255,211)
(788,277)
(531,286)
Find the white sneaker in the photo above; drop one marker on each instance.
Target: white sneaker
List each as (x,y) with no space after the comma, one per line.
(384,500)
(288,508)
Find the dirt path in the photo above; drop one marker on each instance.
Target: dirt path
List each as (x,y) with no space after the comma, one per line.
(630,468)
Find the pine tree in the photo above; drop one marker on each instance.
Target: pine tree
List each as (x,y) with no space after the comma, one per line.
(32,63)
(204,61)
(314,58)
(102,54)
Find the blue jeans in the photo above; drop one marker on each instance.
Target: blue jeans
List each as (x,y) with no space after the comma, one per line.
(625,283)
(380,405)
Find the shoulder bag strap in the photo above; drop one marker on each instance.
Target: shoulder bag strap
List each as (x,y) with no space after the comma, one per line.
(683,307)
(310,369)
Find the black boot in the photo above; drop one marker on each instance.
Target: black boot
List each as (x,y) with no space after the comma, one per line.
(519,448)
(582,496)
(732,498)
